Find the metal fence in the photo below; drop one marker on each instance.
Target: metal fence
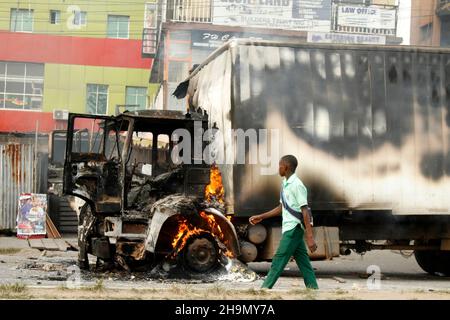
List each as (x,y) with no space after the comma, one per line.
(17,175)
(190,11)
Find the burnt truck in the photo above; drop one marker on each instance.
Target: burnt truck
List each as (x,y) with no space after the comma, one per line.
(369,125)
(140,207)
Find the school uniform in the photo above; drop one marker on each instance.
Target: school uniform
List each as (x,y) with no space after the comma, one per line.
(292,242)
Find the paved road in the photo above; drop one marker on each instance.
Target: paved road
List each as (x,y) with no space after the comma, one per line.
(397,274)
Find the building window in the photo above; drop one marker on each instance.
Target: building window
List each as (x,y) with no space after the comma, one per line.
(178,70)
(97,99)
(118,27)
(55,16)
(21,20)
(136,96)
(80,18)
(426,31)
(21,85)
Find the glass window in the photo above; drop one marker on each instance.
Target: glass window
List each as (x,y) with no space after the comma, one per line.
(55,16)
(180,35)
(35,70)
(21,20)
(80,18)
(180,50)
(136,96)
(19,90)
(118,26)
(88,138)
(97,99)
(16,69)
(14,101)
(15,86)
(178,70)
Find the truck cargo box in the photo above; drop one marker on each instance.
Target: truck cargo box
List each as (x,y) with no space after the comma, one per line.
(369,125)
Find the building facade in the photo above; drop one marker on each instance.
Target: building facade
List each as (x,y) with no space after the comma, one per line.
(71,56)
(430,23)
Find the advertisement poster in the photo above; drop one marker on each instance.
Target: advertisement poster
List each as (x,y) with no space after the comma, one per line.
(312,15)
(31,218)
(326,37)
(367,17)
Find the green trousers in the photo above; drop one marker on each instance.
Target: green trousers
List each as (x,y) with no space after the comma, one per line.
(291,244)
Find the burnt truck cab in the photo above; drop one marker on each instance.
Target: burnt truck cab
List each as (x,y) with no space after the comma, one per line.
(141,207)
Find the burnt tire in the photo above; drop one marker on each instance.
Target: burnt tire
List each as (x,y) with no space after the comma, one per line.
(200,254)
(434,261)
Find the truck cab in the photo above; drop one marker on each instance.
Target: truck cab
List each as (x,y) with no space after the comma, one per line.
(141,206)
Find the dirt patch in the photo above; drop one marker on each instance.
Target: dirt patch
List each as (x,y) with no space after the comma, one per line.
(215,292)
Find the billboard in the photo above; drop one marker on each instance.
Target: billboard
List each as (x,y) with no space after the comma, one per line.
(345,38)
(151,31)
(308,15)
(31,218)
(373,18)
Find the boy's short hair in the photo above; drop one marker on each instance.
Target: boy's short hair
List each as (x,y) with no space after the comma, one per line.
(291,161)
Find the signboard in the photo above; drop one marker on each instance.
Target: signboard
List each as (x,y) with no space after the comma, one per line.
(151,16)
(326,37)
(151,32)
(207,39)
(31,218)
(213,39)
(278,14)
(367,17)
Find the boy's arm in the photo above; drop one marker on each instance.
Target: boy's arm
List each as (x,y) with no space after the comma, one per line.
(308,229)
(269,214)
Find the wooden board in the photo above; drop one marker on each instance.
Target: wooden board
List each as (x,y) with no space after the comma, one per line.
(48,244)
(36,244)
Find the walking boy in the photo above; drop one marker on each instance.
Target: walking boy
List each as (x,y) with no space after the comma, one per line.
(293,205)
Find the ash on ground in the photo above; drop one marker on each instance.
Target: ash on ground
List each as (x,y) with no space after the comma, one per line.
(59,269)
(233,270)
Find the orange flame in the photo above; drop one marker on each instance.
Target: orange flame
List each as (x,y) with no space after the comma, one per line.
(186,230)
(214,190)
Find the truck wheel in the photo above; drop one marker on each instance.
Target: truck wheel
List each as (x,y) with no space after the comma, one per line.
(200,254)
(434,261)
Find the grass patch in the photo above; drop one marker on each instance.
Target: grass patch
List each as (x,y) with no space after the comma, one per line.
(15,288)
(97,287)
(419,291)
(176,289)
(13,291)
(340,292)
(217,289)
(256,292)
(6,251)
(308,294)
(144,290)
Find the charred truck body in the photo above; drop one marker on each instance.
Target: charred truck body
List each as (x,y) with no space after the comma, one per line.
(370,126)
(140,207)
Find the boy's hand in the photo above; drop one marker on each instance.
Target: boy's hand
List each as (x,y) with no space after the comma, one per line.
(311,244)
(255,219)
